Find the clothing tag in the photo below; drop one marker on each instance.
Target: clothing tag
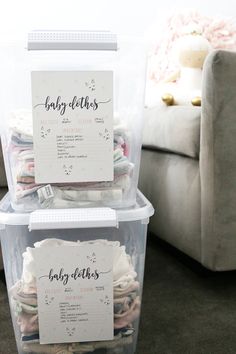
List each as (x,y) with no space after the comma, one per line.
(75,293)
(72,126)
(45,193)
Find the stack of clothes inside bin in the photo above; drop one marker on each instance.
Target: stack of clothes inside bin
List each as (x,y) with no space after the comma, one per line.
(23,297)
(20,153)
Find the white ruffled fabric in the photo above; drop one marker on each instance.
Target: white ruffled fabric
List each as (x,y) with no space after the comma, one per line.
(123,270)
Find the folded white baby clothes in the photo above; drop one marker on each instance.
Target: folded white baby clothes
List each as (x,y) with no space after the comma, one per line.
(23,297)
(20,121)
(123,270)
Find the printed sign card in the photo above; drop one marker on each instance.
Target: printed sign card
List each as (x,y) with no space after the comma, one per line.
(73,126)
(75,293)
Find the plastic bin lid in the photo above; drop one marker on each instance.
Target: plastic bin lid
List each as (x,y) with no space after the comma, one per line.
(76,218)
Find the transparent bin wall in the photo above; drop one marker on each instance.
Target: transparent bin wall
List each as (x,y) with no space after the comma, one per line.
(128,65)
(15,239)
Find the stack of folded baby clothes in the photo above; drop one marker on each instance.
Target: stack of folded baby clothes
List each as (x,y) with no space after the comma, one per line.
(23,296)
(20,152)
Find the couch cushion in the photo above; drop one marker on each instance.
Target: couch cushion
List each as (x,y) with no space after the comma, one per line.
(173,128)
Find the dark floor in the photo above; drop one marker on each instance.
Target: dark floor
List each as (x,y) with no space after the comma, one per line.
(186,310)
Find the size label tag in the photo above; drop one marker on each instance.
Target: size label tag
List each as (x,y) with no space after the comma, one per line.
(45,193)
(75,293)
(72,126)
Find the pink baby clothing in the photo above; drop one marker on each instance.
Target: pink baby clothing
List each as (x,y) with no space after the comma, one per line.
(28,323)
(130,316)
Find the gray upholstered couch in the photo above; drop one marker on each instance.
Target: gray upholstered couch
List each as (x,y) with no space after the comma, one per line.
(188,168)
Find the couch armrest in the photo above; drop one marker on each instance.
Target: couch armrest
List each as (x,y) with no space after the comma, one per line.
(218,161)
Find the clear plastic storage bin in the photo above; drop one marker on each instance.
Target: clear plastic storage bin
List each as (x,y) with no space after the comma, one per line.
(123,230)
(77,52)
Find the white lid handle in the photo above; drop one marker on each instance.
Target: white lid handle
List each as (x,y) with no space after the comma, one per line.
(72,40)
(72,218)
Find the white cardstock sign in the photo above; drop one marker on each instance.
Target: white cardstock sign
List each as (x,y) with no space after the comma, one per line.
(73,126)
(75,293)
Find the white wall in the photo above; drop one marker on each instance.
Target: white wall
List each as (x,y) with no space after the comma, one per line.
(131,16)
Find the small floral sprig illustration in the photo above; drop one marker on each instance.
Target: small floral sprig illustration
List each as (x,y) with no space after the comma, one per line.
(91,85)
(67,169)
(105,135)
(48,300)
(70,331)
(44,132)
(106,300)
(92,258)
